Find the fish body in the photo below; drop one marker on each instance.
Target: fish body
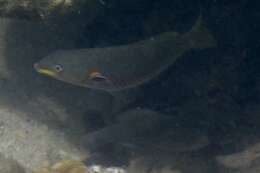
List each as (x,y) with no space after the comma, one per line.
(125,66)
(148,130)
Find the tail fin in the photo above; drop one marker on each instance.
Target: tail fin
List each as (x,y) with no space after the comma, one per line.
(199,36)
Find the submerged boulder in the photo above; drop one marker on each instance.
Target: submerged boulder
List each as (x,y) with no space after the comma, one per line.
(47,8)
(8,165)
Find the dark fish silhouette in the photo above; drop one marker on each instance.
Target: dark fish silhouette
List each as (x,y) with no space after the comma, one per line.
(148,130)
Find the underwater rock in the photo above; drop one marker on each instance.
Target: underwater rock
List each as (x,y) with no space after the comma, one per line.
(10,166)
(242,159)
(255,168)
(74,166)
(43,9)
(101,169)
(65,166)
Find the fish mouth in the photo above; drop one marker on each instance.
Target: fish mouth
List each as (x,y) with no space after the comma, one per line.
(44,71)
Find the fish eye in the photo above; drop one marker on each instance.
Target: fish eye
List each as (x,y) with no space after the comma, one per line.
(58,68)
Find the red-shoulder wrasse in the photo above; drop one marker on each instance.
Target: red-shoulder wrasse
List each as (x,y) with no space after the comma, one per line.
(121,67)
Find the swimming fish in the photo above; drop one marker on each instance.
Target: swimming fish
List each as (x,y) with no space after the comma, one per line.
(145,129)
(126,66)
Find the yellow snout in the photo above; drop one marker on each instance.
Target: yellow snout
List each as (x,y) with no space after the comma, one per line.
(47,72)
